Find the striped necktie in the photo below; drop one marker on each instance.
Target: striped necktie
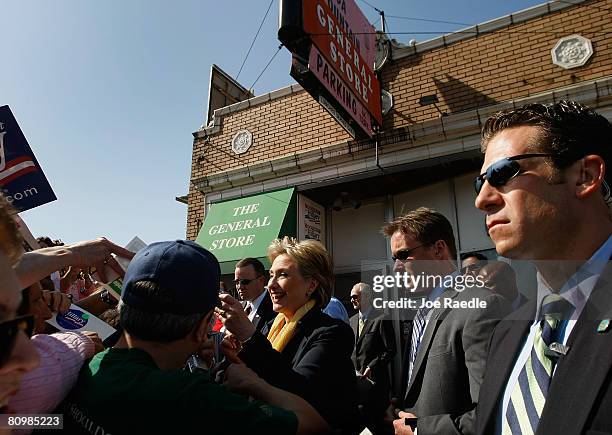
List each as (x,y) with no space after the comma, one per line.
(361,324)
(529,393)
(418,326)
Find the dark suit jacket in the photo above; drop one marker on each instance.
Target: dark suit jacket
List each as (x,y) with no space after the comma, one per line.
(450,363)
(264,313)
(316,365)
(580,394)
(375,347)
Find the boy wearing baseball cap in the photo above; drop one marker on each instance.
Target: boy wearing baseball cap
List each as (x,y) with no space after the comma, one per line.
(169,292)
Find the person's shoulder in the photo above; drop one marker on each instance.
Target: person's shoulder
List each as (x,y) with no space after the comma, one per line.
(380,315)
(474,292)
(321,323)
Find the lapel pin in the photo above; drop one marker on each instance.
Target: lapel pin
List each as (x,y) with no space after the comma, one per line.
(604,325)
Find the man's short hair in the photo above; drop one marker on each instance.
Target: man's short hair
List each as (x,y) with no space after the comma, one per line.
(366,289)
(426,225)
(159,327)
(476,255)
(260,270)
(569,130)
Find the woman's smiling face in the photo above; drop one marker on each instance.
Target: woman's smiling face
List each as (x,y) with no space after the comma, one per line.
(288,289)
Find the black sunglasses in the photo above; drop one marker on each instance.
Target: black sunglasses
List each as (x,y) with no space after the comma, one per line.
(504,170)
(243,281)
(403,254)
(9,330)
(473,267)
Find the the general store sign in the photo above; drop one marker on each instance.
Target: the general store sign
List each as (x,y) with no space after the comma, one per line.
(334,27)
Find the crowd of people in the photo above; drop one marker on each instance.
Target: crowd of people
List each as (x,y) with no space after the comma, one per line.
(282,356)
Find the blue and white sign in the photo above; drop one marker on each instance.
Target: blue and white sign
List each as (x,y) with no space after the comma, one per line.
(21,178)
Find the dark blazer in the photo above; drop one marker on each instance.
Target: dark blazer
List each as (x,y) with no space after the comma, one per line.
(375,347)
(264,313)
(579,398)
(450,363)
(316,365)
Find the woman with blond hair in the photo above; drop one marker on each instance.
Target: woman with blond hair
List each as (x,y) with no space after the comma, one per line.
(302,350)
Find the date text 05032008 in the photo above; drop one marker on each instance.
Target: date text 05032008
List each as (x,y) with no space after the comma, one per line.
(31,421)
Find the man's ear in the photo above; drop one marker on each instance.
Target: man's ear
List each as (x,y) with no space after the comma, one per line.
(592,169)
(440,248)
(200,333)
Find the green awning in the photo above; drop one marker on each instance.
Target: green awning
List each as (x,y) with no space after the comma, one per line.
(244,227)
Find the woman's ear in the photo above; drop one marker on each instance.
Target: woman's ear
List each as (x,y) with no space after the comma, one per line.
(312,286)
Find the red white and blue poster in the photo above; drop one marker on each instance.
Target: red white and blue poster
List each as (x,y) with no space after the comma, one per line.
(22,180)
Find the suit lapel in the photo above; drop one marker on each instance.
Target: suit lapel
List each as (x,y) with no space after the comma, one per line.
(428,334)
(509,337)
(302,330)
(366,327)
(590,353)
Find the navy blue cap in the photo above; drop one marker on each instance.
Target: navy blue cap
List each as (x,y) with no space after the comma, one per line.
(184,268)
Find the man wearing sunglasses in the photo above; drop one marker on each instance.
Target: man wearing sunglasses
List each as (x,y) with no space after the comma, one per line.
(472,262)
(250,280)
(543,190)
(445,356)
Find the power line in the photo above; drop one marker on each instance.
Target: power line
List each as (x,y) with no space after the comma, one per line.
(427,20)
(266,67)
(374,21)
(567,2)
(253,42)
(370,5)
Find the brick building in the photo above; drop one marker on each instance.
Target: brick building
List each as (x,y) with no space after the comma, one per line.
(425,154)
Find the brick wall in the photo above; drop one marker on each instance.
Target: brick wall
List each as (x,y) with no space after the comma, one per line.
(503,65)
(509,63)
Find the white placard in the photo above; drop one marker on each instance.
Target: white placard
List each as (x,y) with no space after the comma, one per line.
(78,319)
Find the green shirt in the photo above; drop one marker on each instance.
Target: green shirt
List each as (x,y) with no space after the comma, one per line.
(123,391)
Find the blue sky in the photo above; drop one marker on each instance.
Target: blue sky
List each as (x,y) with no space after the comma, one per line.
(109,92)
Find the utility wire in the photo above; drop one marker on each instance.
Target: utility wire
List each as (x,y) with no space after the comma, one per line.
(371,5)
(253,42)
(426,20)
(567,2)
(266,67)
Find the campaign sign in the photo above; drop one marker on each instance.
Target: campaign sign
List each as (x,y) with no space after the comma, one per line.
(78,319)
(22,180)
(72,319)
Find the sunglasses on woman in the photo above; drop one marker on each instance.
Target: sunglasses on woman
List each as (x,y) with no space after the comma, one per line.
(504,170)
(9,331)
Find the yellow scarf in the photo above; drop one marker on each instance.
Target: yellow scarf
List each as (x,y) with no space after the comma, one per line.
(284,329)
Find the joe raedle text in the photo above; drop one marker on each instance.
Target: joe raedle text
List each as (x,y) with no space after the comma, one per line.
(446,302)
